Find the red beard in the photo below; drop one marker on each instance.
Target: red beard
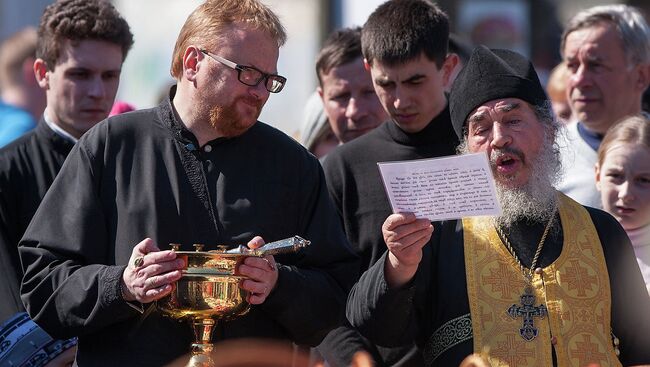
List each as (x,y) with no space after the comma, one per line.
(228,121)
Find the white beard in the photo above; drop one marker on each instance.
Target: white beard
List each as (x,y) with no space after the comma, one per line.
(536,200)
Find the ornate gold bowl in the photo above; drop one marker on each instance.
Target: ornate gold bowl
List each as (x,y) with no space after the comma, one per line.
(208,287)
(209,290)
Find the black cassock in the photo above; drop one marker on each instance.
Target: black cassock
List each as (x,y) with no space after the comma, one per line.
(356,188)
(142,175)
(27,168)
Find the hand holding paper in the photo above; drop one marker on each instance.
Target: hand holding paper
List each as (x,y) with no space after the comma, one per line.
(405,235)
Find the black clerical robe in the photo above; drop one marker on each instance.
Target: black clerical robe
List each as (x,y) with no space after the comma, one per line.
(356,188)
(437,295)
(27,168)
(142,174)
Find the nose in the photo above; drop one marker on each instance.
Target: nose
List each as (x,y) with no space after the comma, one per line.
(580,77)
(500,136)
(97,89)
(400,99)
(259,91)
(626,192)
(353,110)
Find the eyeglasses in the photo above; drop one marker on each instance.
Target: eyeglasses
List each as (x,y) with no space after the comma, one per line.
(251,76)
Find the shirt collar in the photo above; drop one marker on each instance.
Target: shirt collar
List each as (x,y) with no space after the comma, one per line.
(591,138)
(57,129)
(438,130)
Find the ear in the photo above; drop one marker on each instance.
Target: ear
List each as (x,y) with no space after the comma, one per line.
(191,63)
(366,64)
(451,61)
(42,74)
(643,77)
(597,168)
(320,93)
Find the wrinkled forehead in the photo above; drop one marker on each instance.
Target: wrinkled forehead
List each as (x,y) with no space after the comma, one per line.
(501,105)
(600,36)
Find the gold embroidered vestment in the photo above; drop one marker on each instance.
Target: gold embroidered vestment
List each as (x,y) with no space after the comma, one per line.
(574,288)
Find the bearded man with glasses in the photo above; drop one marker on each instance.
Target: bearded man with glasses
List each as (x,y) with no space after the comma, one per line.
(199,168)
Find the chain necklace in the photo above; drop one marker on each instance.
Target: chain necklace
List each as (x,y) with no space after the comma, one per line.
(528,273)
(527,310)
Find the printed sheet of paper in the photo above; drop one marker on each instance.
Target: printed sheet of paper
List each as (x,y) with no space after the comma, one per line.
(441,188)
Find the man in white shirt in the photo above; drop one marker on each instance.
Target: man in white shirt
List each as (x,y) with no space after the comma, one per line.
(607,52)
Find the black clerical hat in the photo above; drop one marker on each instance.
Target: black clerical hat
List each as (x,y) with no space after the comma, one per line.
(491,74)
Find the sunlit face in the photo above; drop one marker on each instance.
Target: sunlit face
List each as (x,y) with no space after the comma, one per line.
(602,87)
(413,92)
(510,133)
(349,100)
(81,89)
(624,184)
(233,106)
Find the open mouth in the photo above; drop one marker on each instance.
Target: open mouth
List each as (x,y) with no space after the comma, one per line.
(505,161)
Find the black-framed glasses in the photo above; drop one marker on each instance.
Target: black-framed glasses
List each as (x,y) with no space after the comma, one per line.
(251,76)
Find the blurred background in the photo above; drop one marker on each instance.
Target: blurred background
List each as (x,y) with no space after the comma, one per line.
(532,27)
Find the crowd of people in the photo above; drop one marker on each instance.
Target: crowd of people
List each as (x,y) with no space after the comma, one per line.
(92,190)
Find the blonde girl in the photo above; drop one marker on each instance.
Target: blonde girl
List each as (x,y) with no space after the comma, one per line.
(623,179)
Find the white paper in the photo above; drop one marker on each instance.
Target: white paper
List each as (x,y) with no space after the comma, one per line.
(441,188)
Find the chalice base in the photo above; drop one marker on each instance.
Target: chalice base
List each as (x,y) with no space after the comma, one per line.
(201,355)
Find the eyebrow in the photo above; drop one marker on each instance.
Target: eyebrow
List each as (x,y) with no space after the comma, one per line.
(386,80)
(383,79)
(252,66)
(476,117)
(506,108)
(589,56)
(414,77)
(509,107)
(77,68)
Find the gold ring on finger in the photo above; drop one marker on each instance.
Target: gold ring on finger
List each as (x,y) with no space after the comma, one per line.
(138,262)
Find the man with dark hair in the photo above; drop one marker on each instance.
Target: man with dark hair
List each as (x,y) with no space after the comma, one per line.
(80,50)
(345,87)
(404,44)
(21,98)
(198,168)
(548,282)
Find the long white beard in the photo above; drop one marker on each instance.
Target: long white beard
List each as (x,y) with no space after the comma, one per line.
(535,201)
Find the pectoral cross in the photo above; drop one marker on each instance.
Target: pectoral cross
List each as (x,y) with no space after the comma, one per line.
(528,331)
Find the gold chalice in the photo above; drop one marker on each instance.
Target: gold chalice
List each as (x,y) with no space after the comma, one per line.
(209,291)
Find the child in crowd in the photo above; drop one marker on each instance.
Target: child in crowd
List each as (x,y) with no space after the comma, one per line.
(623,179)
